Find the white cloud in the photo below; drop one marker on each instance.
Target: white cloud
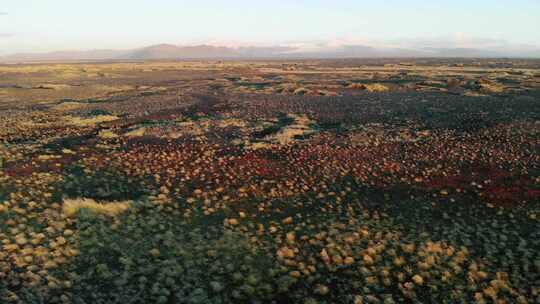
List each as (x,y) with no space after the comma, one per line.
(458,40)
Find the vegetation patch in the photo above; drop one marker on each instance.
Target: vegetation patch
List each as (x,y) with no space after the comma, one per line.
(106,184)
(89,122)
(166,260)
(98,112)
(299,191)
(71,207)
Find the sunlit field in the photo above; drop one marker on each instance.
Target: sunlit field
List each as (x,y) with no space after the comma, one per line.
(333,181)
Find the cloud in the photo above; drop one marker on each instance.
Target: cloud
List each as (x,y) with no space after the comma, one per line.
(458,44)
(5,35)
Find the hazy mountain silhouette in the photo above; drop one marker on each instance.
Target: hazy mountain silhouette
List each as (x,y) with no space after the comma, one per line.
(169,51)
(66,56)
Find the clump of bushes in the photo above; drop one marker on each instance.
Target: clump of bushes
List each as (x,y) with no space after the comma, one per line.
(98,112)
(162,259)
(283,120)
(104,184)
(68,142)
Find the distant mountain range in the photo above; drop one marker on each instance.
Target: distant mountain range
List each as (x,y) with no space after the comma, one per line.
(169,51)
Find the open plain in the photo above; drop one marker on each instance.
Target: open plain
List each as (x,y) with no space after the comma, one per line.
(313,181)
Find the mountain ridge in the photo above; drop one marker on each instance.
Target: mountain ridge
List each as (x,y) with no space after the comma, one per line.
(205,51)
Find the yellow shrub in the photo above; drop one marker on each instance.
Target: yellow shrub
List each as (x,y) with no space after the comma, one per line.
(86,122)
(107,134)
(375,87)
(136,133)
(72,206)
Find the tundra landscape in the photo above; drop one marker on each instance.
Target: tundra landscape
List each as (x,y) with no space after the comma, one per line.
(277,181)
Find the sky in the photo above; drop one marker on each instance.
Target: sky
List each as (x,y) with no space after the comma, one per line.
(49,25)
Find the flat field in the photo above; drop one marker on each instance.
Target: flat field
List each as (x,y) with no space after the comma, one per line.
(331,181)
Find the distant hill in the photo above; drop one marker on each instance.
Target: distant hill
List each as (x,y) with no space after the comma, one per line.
(66,56)
(170,51)
(159,51)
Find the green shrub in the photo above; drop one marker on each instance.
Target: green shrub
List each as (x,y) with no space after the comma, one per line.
(106,184)
(162,259)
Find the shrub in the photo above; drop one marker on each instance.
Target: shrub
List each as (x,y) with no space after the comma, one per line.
(165,260)
(106,184)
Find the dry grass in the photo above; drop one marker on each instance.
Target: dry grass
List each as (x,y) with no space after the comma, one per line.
(356,85)
(107,134)
(68,106)
(288,134)
(194,128)
(258,145)
(136,133)
(48,157)
(52,86)
(373,87)
(491,88)
(72,206)
(300,127)
(232,122)
(87,122)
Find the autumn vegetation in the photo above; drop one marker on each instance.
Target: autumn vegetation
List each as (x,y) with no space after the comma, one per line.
(334,182)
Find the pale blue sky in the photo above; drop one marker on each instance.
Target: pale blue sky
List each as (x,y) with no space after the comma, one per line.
(44,25)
